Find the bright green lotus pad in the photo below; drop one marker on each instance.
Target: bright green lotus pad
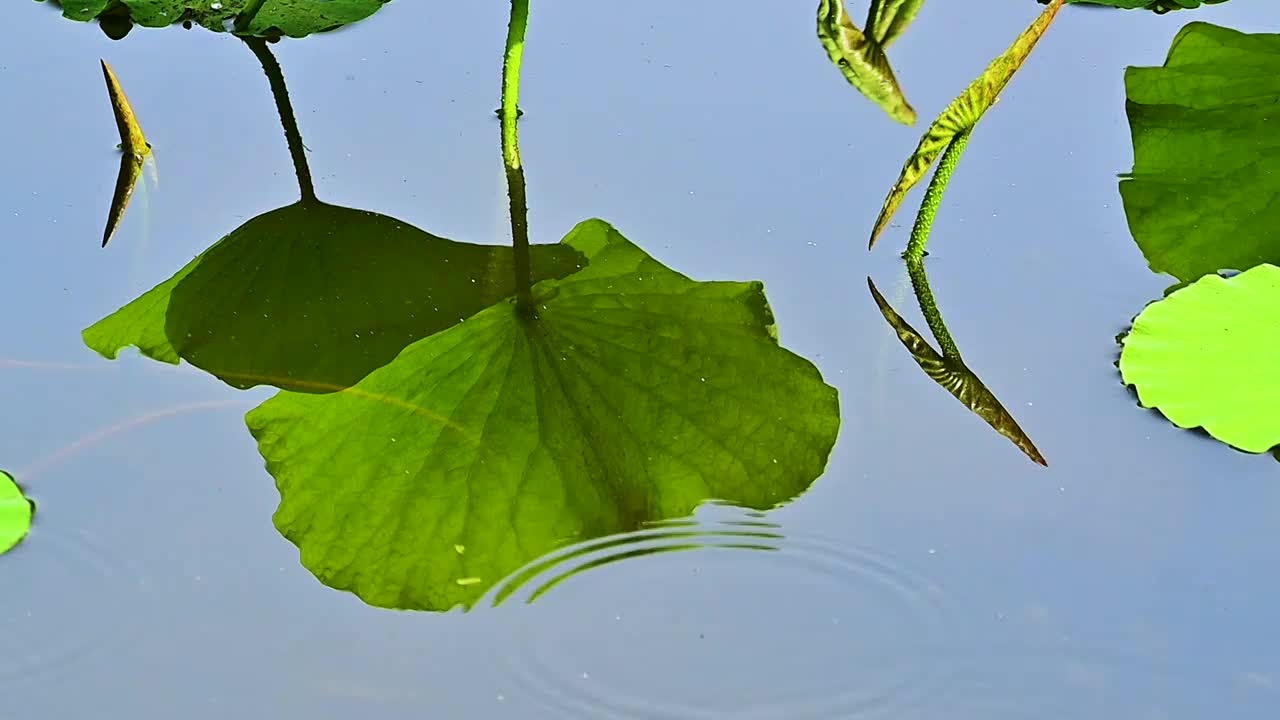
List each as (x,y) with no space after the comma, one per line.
(635,395)
(1205,194)
(15,513)
(294,18)
(1206,356)
(312,297)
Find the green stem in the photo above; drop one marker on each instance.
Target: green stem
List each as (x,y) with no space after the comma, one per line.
(281,94)
(246,16)
(933,196)
(929,308)
(511,154)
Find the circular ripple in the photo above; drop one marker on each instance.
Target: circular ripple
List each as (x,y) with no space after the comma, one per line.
(811,629)
(55,609)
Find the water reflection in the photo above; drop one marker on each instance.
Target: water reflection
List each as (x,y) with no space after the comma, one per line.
(134,152)
(431,439)
(947,368)
(311,297)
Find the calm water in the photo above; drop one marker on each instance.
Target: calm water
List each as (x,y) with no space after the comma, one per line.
(931,572)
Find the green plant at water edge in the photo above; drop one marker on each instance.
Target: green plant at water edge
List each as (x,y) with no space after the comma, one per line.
(1206,356)
(313,296)
(15,513)
(1202,198)
(953,126)
(268,18)
(860,56)
(1204,193)
(947,368)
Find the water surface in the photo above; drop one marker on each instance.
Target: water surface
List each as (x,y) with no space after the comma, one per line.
(932,571)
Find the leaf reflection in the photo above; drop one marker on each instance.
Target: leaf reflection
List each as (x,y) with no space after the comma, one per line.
(947,368)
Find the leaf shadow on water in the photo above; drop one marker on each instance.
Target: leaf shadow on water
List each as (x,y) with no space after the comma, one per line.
(259,18)
(312,296)
(423,456)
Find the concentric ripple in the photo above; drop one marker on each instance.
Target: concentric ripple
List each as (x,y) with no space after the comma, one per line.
(52,617)
(838,632)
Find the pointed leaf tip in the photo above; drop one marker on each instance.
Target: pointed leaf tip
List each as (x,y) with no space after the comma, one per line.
(135,149)
(860,56)
(952,374)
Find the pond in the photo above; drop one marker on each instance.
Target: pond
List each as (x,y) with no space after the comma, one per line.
(601,477)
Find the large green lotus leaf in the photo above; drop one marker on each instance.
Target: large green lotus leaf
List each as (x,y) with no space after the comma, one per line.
(1204,194)
(633,396)
(15,513)
(312,297)
(1207,355)
(295,18)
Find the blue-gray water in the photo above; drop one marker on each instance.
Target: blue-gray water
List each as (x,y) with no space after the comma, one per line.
(932,572)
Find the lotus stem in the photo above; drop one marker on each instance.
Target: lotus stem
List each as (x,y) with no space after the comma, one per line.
(511,154)
(933,197)
(281,94)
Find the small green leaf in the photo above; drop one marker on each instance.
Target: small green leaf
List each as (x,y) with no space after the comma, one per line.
(15,513)
(963,114)
(312,297)
(1206,356)
(634,395)
(1204,194)
(860,58)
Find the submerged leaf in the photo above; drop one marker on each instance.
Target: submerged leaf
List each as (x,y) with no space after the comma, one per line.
(1206,356)
(948,368)
(1204,194)
(634,395)
(861,59)
(963,114)
(312,297)
(15,513)
(134,147)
